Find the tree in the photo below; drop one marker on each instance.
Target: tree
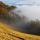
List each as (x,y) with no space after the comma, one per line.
(4,9)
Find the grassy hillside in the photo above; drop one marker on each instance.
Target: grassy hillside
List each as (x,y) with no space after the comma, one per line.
(8,34)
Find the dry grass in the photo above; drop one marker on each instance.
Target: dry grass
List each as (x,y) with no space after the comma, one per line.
(8,34)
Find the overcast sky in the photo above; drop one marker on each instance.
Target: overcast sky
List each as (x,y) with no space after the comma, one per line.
(31,9)
(11,2)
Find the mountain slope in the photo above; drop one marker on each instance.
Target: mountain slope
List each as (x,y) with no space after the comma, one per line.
(8,34)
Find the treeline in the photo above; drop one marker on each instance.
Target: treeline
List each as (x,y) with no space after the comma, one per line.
(4,9)
(4,13)
(32,27)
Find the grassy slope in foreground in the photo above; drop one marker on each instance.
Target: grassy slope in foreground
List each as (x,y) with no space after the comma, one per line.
(8,34)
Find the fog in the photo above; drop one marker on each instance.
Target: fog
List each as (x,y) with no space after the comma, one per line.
(32,12)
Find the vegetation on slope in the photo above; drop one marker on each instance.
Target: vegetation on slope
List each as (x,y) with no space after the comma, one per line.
(4,9)
(8,34)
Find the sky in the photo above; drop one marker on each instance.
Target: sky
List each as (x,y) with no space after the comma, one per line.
(25,2)
(11,2)
(8,1)
(30,9)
